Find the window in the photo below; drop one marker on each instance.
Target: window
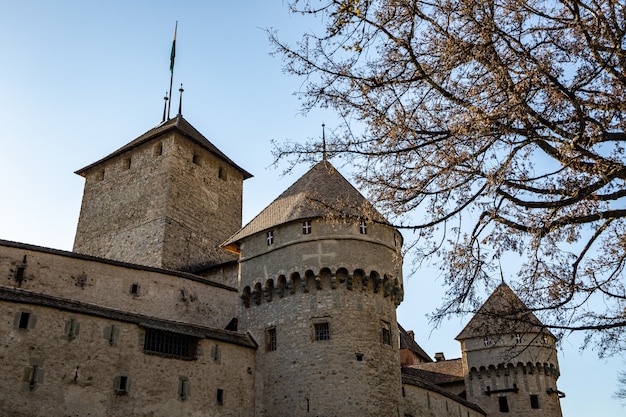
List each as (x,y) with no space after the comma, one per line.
(544,339)
(134,289)
(359,357)
(362,227)
(24,320)
(111,333)
(126,163)
(220,396)
(270,238)
(322,331)
(158,149)
(184,388)
(518,338)
(216,353)
(33,374)
(503,405)
(306,227)
(121,384)
(486,341)
(166,343)
(195,159)
(19,273)
(534,401)
(221,174)
(386,334)
(72,327)
(270,339)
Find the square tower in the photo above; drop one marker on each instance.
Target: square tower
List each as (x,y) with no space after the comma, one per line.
(167,199)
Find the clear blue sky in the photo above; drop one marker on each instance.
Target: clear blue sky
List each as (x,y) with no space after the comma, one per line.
(79,79)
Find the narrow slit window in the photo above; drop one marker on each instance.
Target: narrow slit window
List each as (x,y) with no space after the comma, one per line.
(134,289)
(306,227)
(220,396)
(271,339)
(362,228)
(270,238)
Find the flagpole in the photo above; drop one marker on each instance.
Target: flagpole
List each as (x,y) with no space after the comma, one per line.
(172,57)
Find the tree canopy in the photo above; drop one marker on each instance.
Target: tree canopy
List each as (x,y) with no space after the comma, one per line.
(492,128)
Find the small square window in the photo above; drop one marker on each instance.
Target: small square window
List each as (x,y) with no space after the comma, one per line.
(270,238)
(359,357)
(126,163)
(306,227)
(121,384)
(362,227)
(322,331)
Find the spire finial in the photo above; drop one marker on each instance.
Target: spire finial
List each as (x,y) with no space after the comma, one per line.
(323,142)
(180,100)
(501,275)
(164,107)
(172,58)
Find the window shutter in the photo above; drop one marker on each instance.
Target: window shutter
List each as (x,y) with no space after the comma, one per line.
(32,319)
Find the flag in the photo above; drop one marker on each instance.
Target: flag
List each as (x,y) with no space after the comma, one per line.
(173,53)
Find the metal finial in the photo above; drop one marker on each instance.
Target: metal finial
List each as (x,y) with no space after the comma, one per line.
(501,275)
(323,142)
(164,107)
(180,100)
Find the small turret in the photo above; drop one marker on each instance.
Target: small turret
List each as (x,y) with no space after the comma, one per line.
(510,359)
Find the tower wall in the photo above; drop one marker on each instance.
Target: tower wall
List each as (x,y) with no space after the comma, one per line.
(336,277)
(168,203)
(515,367)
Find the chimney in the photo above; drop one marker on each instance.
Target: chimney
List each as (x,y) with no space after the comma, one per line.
(411,334)
(439,356)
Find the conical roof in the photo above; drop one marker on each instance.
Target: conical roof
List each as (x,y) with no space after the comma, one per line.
(180,125)
(502,313)
(321,192)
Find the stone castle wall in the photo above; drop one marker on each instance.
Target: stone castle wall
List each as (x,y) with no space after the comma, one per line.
(172,296)
(48,372)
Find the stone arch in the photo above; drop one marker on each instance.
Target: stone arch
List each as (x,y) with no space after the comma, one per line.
(360,278)
(281,285)
(342,276)
(377,281)
(325,278)
(257,293)
(268,291)
(309,280)
(245,296)
(294,282)
(482,372)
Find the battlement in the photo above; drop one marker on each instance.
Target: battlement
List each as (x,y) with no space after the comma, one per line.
(385,285)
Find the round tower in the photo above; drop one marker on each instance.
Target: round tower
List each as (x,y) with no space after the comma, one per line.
(320,279)
(510,359)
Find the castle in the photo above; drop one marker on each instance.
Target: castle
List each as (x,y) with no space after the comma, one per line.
(168,307)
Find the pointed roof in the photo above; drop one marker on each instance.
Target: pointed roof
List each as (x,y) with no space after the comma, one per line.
(503,312)
(321,192)
(180,125)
